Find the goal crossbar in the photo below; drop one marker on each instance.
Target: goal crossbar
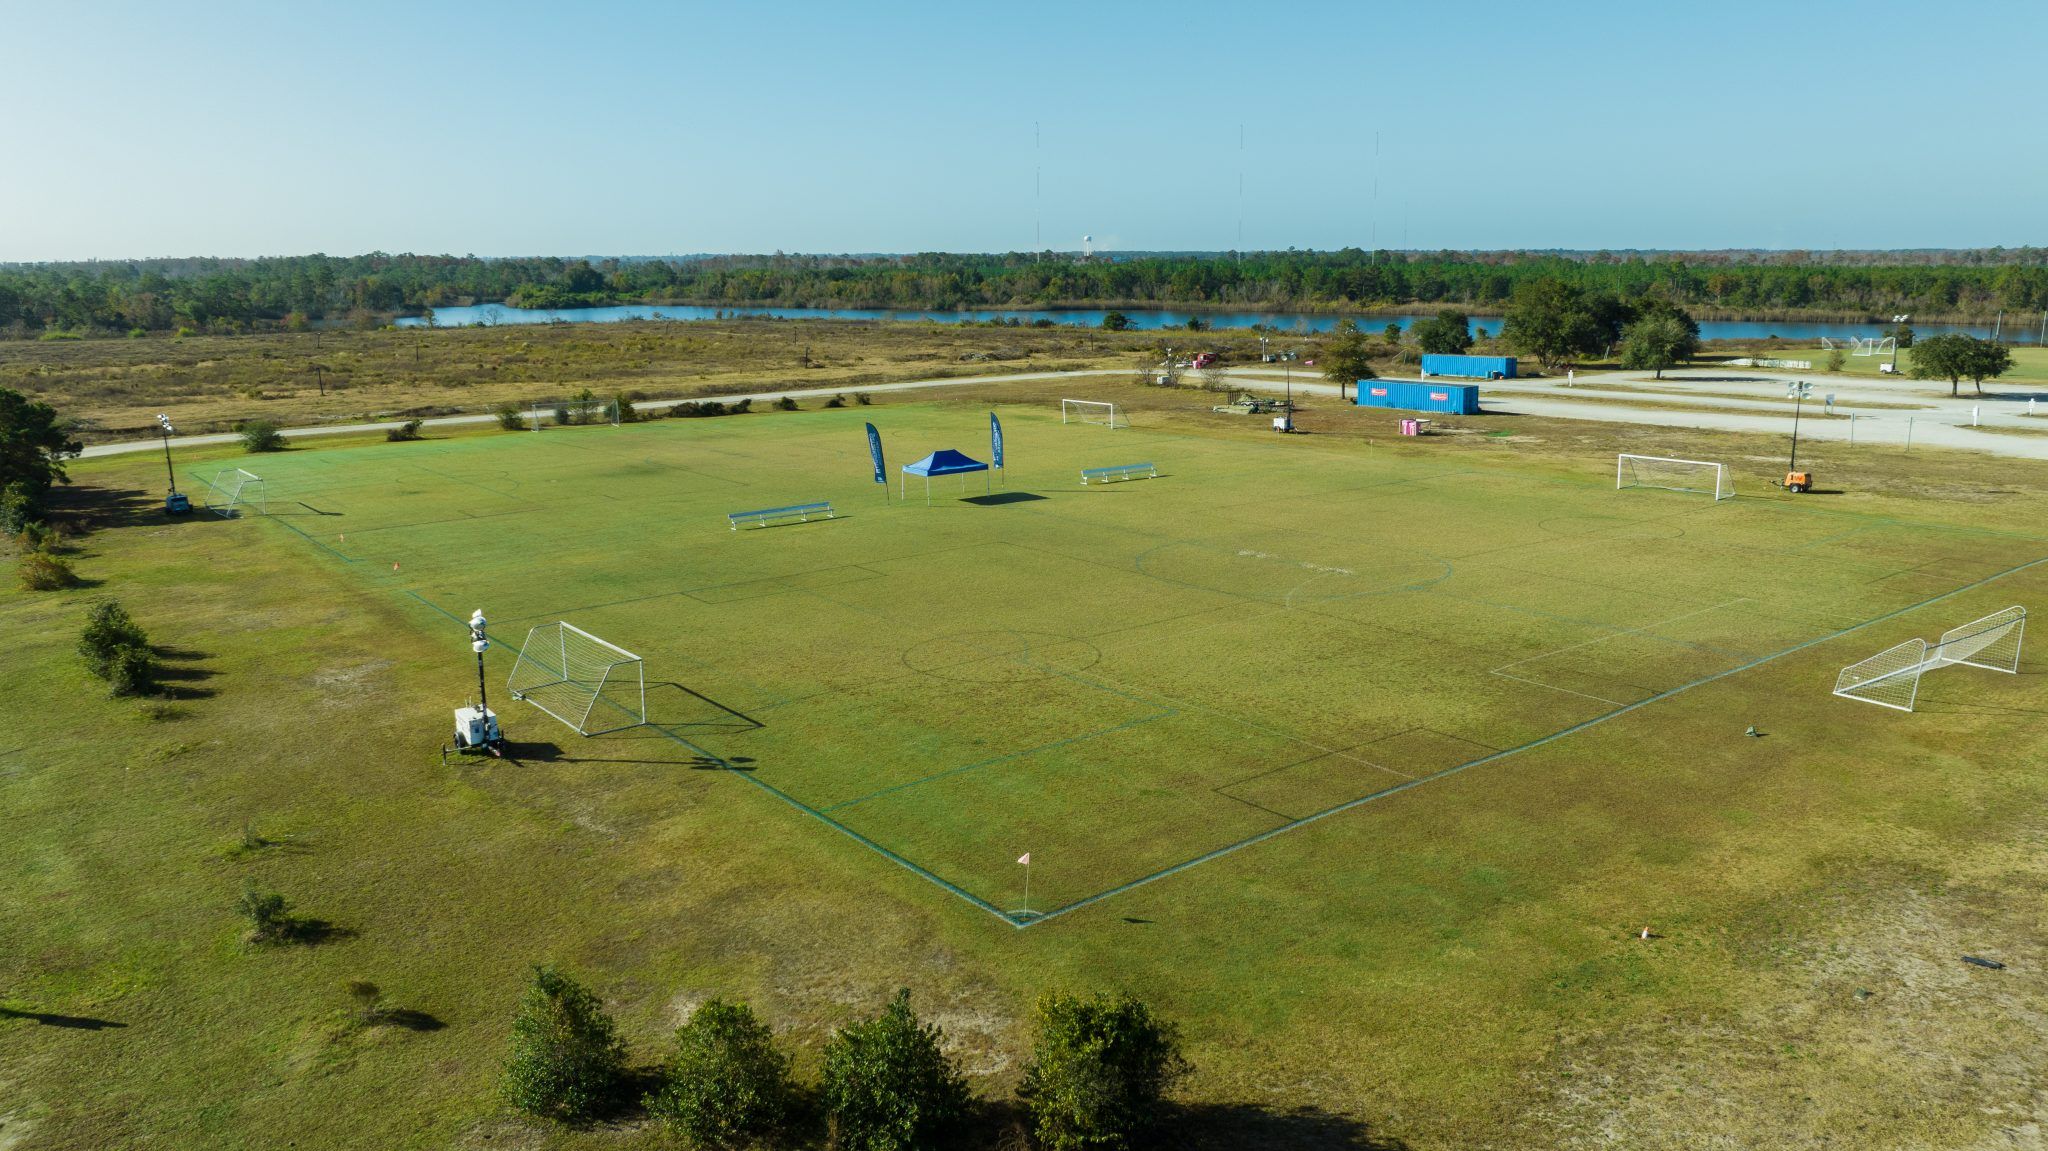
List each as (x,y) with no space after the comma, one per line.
(1702,476)
(567,672)
(1891,678)
(1091,412)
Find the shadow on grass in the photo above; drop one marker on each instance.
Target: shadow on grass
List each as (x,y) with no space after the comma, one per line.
(997,499)
(404,1017)
(300,931)
(73,1022)
(1252,1127)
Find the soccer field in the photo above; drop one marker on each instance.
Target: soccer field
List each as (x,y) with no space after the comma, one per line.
(1123,680)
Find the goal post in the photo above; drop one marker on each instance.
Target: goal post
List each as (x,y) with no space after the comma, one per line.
(1701,476)
(1092,412)
(1891,678)
(232,490)
(591,684)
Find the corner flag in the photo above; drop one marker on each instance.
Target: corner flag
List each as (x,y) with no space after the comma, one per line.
(1025,859)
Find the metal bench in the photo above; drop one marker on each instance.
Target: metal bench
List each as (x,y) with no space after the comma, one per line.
(766,516)
(1119,472)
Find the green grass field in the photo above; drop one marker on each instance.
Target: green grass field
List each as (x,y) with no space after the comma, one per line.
(1366,759)
(1124,680)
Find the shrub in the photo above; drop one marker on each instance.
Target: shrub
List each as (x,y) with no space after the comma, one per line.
(132,671)
(628,414)
(18,508)
(739,407)
(838,401)
(786,404)
(511,418)
(693,410)
(409,430)
(41,571)
(1098,1070)
(888,1085)
(567,1061)
(368,998)
(1837,360)
(108,629)
(863,399)
(37,536)
(726,1085)
(261,436)
(270,918)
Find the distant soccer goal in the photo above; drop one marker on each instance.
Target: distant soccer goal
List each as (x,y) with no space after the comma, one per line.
(592,685)
(232,491)
(1092,412)
(1891,678)
(1860,345)
(1702,476)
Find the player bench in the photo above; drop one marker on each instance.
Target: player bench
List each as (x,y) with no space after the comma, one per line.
(1119,472)
(765,516)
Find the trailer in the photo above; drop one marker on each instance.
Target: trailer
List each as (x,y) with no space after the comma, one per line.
(1470,367)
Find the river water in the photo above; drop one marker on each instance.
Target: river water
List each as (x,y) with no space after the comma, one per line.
(1144,319)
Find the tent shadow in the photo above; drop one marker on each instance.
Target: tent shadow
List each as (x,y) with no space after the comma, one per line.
(997,499)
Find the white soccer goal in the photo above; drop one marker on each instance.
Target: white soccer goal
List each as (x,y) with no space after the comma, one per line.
(1702,476)
(1091,412)
(571,674)
(230,491)
(1891,678)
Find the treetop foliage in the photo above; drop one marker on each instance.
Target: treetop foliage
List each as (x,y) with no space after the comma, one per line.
(888,1084)
(567,1059)
(224,295)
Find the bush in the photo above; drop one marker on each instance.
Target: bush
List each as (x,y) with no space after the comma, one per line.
(409,430)
(41,571)
(37,536)
(838,401)
(567,1061)
(693,410)
(369,1000)
(628,414)
(270,918)
(133,671)
(888,1085)
(863,399)
(786,404)
(18,508)
(726,1085)
(1837,360)
(511,418)
(1098,1070)
(739,407)
(108,629)
(261,436)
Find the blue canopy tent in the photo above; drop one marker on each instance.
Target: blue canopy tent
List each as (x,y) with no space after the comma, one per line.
(944,462)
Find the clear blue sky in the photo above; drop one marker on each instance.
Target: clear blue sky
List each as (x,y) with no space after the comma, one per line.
(251,129)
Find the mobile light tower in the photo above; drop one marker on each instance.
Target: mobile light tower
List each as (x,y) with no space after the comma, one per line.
(476,728)
(175,504)
(1795,480)
(1898,321)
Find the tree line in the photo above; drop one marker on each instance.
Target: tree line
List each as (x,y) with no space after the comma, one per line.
(230,295)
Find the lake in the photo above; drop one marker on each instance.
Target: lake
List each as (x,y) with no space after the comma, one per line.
(1143,319)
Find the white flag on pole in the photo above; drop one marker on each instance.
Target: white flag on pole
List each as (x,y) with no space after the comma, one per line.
(1025,859)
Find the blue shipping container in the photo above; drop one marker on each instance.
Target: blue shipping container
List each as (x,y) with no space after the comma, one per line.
(1471,367)
(1458,399)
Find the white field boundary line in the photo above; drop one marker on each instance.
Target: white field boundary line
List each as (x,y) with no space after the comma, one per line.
(1505,753)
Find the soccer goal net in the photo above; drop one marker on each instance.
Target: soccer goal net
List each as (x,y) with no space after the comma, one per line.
(228,493)
(1891,678)
(1091,412)
(1700,476)
(587,683)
